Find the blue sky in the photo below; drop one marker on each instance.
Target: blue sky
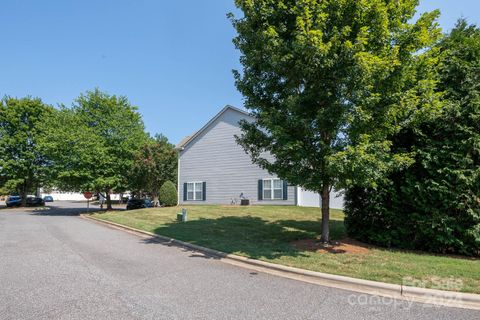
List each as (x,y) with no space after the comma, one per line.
(172,59)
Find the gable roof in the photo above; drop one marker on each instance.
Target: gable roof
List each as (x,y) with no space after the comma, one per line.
(185,141)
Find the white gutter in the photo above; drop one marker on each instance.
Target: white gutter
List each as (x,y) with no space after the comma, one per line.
(178,179)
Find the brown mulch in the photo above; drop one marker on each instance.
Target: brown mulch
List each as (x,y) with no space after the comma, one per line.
(342,246)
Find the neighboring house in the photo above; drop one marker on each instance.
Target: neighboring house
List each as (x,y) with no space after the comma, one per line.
(58,195)
(214,169)
(70,196)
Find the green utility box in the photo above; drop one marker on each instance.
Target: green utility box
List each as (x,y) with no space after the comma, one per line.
(182,217)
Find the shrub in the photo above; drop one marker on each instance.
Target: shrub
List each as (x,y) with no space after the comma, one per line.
(168,194)
(432,214)
(434,204)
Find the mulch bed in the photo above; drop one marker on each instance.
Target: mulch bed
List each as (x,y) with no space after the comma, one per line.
(344,246)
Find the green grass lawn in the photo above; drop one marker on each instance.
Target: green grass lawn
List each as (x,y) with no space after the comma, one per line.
(266,233)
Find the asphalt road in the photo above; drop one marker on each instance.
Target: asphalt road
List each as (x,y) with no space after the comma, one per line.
(55,265)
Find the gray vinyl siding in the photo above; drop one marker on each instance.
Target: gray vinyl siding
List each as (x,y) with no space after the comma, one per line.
(214,157)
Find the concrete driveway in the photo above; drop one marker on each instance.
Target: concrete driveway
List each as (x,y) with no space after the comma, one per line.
(55,265)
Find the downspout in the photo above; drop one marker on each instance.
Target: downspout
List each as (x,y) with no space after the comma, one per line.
(178,177)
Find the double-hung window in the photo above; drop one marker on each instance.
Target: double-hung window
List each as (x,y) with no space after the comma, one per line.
(194,191)
(272,189)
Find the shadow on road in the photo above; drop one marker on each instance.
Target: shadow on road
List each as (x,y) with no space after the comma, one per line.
(58,211)
(193,253)
(63,208)
(71,209)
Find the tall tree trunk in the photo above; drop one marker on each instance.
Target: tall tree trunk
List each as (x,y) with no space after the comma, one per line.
(109,200)
(23,194)
(325,194)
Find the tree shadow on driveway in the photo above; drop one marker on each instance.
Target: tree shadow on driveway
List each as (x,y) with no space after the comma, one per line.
(61,210)
(55,211)
(249,236)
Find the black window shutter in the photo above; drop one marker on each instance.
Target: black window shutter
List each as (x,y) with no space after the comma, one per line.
(204,188)
(260,189)
(185,191)
(285,190)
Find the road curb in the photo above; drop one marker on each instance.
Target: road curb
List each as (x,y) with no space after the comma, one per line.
(392,291)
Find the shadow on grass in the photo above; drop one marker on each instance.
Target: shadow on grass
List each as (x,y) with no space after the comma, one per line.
(248,236)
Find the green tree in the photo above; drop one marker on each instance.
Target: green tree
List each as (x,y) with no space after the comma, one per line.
(154,164)
(433,204)
(451,157)
(327,82)
(168,194)
(93,144)
(23,165)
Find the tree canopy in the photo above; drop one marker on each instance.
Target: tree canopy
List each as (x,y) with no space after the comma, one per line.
(94,143)
(154,164)
(328,82)
(23,163)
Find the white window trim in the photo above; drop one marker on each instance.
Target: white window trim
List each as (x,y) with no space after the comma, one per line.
(195,191)
(272,190)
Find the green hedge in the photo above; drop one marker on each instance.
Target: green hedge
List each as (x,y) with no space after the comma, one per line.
(434,204)
(168,194)
(430,214)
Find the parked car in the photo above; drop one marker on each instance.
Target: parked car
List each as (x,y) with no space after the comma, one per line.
(139,204)
(35,201)
(13,201)
(48,199)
